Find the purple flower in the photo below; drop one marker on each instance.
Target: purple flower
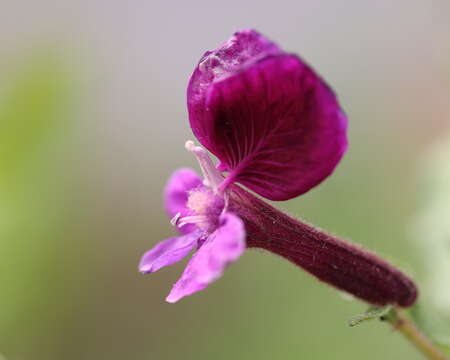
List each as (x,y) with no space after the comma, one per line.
(277,129)
(200,212)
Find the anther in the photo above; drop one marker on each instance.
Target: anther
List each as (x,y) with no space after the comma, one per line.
(174,220)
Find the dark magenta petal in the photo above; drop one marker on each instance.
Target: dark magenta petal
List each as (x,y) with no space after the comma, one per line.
(242,49)
(272,122)
(176,194)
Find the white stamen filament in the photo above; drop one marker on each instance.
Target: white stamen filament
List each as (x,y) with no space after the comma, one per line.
(197,219)
(212,176)
(226,200)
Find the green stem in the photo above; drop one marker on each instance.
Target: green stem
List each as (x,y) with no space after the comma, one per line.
(402,323)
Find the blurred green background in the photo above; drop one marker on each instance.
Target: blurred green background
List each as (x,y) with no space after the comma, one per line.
(93,121)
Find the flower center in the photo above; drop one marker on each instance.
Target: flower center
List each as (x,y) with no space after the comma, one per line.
(205,202)
(206,208)
(199,201)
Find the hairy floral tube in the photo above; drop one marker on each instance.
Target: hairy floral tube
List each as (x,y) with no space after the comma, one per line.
(337,262)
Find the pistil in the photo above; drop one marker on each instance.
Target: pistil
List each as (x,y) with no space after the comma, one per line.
(212,177)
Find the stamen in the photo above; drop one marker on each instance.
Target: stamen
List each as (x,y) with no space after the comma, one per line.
(212,176)
(196,219)
(174,220)
(179,221)
(226,198)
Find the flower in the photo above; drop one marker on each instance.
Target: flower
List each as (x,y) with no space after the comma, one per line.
(278,130)
(200,212)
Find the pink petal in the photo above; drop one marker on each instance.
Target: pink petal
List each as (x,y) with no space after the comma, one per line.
(176,194)
(167,252)
(272,122)
(222,247)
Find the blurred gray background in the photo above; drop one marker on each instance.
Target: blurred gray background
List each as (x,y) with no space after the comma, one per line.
(83,200)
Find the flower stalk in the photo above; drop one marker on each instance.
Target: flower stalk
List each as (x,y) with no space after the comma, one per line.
(401,322)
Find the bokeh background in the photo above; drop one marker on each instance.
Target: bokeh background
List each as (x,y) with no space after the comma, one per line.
(93,121)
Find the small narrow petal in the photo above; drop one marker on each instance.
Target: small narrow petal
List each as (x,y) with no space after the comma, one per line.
(222,247)
(167,252)
(176,195)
